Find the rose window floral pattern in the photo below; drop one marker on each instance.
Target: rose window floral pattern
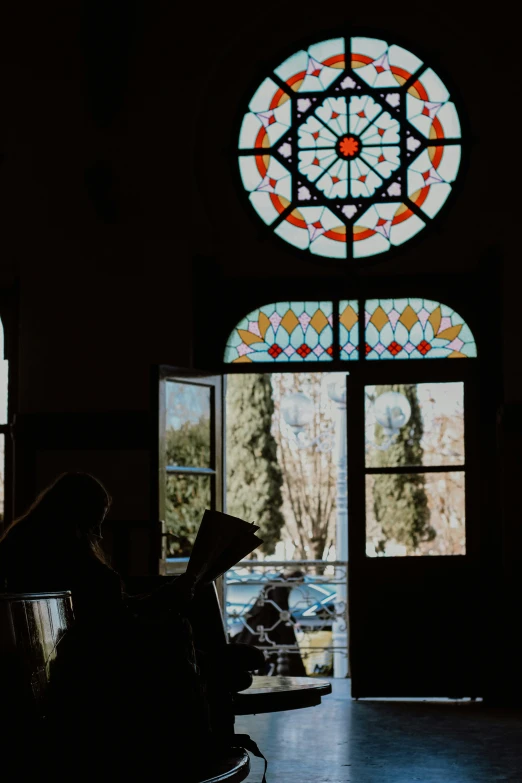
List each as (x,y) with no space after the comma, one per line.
(350,147)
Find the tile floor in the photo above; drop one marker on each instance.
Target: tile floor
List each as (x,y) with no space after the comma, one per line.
(343,741)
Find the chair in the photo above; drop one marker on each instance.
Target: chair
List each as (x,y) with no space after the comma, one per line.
(31,628)
(31,625)
(233,768)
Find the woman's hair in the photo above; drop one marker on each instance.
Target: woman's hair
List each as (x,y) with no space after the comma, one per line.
(73,507)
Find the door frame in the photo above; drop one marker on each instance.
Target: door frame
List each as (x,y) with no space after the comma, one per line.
(160,375)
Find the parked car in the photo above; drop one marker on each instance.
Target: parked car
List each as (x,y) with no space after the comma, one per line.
(311,599)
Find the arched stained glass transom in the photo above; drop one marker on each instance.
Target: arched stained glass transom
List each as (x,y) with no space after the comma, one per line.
(393,329)
(349,147)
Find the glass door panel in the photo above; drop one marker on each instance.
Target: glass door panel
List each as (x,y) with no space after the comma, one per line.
(190,459)
(415,469)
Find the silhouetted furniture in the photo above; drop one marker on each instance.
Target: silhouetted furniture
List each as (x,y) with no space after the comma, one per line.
(31,628)
(233,768)
(32,625)
(274,694)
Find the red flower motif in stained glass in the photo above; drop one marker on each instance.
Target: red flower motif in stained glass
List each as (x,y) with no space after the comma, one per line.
(424,347)
(394,348)
(349,147)
(368,348)
(304,350)
(275,350)
(330,349)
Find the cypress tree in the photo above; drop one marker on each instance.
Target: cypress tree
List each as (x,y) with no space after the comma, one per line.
(254,478)
(400,503)
(187,496)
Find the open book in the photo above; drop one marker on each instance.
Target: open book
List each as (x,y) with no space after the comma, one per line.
(221,542)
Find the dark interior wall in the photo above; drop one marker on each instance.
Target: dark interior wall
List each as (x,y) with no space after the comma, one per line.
(117,134)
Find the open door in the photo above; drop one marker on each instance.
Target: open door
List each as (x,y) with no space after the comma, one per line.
(190,459)
(414,575)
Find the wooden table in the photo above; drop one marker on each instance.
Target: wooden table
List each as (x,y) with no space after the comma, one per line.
(274,694)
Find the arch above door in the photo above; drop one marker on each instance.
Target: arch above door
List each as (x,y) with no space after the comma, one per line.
(323,331)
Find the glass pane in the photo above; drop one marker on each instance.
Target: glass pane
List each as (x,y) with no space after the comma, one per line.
(415,514)
(349,329)
(2,476)
(414,424)
(416,329)
(4,365)
(188,436)
(283,332)
(187,498)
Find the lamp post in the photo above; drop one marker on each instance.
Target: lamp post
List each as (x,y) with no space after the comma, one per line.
(297,410)
(392,411)
(336,387)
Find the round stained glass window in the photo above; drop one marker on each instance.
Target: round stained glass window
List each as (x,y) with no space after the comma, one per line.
(350,147)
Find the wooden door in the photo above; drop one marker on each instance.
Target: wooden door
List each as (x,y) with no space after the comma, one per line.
(415,617)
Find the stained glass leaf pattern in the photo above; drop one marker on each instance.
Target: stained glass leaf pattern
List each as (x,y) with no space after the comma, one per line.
(269,183)
(368,137)
(429,108)
(334,182)
(363,111)
(268,119)
(380,65)
(394,329)
(349,329)
(384,225)
(430,177)
(315,69)
(316,229)
(415,329)
(283,332)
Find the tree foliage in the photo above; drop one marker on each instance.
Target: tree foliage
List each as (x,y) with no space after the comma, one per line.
(187,496)
(400,503)
(254,477)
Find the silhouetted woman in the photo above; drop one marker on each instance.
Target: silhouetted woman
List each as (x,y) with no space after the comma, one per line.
(127,669)
(55,546)
(123,658)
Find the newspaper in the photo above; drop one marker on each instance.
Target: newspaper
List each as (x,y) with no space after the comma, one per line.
(222,541)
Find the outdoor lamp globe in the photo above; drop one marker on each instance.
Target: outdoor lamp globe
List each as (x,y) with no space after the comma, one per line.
(297,410)
(336,387)
(392,411)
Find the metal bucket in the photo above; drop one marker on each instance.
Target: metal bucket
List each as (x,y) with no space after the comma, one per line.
(31,628)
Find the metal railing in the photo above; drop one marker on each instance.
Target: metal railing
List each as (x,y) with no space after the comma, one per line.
(291,608)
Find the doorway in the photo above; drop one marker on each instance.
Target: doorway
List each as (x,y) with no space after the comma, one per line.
(285,441)
(414,534)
